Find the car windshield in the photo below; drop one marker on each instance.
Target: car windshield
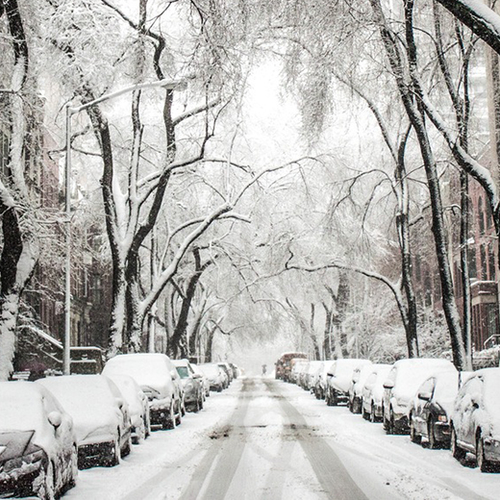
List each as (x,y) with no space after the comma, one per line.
(20,411)
(183,371)
(446,387)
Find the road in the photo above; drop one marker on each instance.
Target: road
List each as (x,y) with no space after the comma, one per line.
(264,439)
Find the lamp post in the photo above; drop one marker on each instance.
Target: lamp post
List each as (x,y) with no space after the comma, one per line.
(70,111)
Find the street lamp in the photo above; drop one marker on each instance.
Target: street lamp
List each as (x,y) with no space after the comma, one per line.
(70,111)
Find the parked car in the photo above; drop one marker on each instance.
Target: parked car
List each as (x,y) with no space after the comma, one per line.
(355,393)
(400,387)
(38,446)
(339,378)
(283,365)
(100,417)
(475,419)
(216,376)
(430,409)
(138,406)
(297,366)
(321,384)
(312,375)
(159,380)
(373,392)
(204,380)
(228,371)
(192,384)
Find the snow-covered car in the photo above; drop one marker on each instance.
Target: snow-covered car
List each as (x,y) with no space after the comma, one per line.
(157,377)
(312,375)
(298,366)
(475,419)
(216,376)
(400,387)
(204,380)
(228,371)
(38,447)
(100,417)
(339,378)
(322,380)
(355,393)
(431,408)
(373,392)
(138,406)
(192,383)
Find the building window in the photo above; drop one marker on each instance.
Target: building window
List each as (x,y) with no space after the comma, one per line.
(492,263)
(483,263)
(472,263)
(480,214)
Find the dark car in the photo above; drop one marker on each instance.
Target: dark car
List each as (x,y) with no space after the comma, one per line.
(192,383)
(38,448)
(431,408)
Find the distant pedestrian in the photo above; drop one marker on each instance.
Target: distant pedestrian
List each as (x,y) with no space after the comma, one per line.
(264,369)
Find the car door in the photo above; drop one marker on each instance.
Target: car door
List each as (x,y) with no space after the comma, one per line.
(422,405)
(464,412)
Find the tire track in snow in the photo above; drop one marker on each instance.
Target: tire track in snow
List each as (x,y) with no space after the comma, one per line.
(330,472)
(215,473)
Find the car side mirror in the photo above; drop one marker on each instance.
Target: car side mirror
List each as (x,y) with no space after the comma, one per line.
(119,402)
(196,376)
(330,375)
(424,396)
(55,419)
(388,384)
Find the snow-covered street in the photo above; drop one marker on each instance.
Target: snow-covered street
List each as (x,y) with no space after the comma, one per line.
(266,439)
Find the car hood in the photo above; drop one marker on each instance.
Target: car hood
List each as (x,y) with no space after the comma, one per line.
(16,444)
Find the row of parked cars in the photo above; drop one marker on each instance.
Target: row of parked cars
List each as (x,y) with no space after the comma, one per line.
(426,398)
(56,425)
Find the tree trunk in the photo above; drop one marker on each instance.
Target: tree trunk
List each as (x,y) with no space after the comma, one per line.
(19,251)
(410,93)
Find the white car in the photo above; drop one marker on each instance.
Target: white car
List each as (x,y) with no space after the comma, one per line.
(138,406)
(400,387)
(359,377)
(339,379)
(475,419)
(192,385)
(159,380)
(100,417)
(38,447)
(215,375)
(373,392)
(204,379)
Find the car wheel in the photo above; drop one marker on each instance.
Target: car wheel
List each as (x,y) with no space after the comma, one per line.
(373,415)
(456,451)
(334,399)
(415,438)
(483,464)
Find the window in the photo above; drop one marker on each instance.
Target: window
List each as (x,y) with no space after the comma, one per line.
(492,262)
(483,262)
(480,214)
